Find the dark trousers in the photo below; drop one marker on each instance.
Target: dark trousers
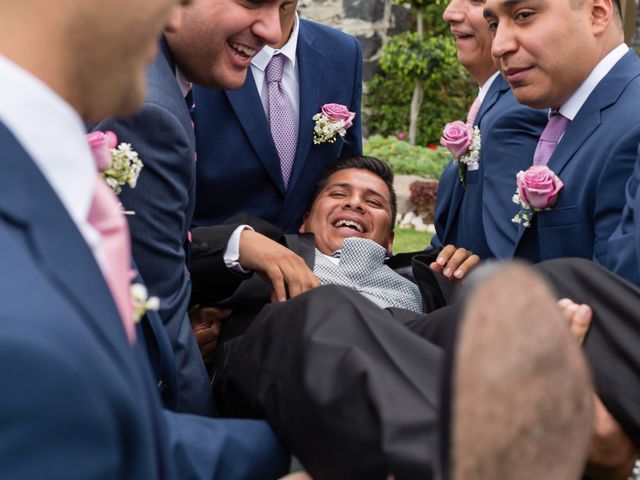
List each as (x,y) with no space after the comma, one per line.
(353,390)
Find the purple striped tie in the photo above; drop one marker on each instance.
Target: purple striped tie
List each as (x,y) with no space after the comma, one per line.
(550,137)
(281,119)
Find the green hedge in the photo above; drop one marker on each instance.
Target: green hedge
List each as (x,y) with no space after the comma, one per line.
(407,159)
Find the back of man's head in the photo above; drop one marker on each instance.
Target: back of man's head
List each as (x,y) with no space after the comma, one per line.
(362,162)
(521,390)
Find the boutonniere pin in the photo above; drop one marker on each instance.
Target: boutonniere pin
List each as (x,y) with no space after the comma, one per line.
(142,302)
(118,164)
(334,119)
(538,189)
(464,144)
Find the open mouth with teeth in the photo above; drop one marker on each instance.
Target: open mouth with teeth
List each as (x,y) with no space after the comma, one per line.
(349,224)
(242,50)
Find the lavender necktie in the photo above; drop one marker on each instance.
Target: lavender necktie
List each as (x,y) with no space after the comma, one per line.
(550,137)
(473,112)
(281,120)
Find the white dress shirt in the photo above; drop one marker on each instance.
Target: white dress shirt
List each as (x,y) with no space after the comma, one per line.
(572,106)
(53,134)
(484,88)
(290,77)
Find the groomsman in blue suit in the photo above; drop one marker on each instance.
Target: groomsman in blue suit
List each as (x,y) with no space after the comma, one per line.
(623,248)
(162,134)
(471,210)
(570,57)
(65,338)
(256,153)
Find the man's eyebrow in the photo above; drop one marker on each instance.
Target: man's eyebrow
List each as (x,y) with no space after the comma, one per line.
(504,5)
(348,186)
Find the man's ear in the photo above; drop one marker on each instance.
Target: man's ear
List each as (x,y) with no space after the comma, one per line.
(602,13)
(303,228)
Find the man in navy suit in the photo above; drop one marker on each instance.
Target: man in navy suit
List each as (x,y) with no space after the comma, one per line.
(570,57)
(623,256)
(474,212)
(239,167)
(62,333)
(164,198)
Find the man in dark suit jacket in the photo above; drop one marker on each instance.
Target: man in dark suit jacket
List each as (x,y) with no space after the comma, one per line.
(474,212)
(261,370)
(623,255)
(62,337)
(582,70)
(164,198)
(238,165)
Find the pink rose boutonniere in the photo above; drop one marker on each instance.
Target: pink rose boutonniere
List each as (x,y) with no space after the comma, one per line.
(118,164)
(464,144)
(538,189)
(334,119)
(101,144)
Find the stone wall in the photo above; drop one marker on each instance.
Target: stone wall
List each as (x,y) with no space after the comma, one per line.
(370,21)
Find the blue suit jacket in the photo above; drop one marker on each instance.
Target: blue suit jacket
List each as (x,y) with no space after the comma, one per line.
(238,167)
(623,247)
(478,217)
(594,159)
(61,341)
(163,202)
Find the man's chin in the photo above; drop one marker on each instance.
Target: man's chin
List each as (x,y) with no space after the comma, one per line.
(227,81)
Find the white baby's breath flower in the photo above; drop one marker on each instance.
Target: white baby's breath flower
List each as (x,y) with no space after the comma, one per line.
(124,169)
(472,157)
(142,302)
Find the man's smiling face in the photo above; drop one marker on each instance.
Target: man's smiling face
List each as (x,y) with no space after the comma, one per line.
(218,38)
(354,203)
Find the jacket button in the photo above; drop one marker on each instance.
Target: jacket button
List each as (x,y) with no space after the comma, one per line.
(162,386)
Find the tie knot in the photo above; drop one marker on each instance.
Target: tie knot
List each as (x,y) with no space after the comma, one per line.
(555,127)
(473,111)
(274,68)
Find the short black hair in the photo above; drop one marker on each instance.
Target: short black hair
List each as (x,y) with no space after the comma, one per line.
(362,162)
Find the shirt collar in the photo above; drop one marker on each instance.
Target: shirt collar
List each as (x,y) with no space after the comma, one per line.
(263,57)
(28,108)
(574,104)
(484,89)
(184,84)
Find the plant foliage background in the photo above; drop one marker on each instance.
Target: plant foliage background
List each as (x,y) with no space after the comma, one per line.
(428,57)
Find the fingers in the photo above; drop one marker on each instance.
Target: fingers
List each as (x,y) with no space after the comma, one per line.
(199,315)
(207,336)
(454,263)
(612,453)
(290,277)
(287,272)
(578,317)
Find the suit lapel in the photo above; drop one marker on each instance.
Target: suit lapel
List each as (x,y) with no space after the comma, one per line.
(304,245)
(58,246)
(310,69)
(497,87)
(248,107)
(588,118)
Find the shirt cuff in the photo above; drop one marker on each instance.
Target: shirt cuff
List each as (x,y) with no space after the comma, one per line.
(232,252)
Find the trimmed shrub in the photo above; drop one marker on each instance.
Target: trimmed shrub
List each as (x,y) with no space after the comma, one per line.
(408,159)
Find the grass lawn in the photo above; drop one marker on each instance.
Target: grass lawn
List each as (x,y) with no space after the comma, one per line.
(408,240)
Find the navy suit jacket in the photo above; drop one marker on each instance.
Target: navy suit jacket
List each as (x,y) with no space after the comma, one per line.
(238,167)
(78,401)
(478,217)
(623,247)
(594,159)
(163,202)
